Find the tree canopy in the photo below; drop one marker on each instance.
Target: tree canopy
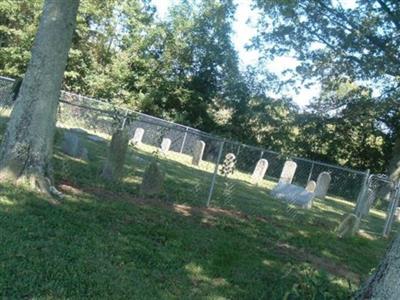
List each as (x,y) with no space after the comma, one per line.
(185,68)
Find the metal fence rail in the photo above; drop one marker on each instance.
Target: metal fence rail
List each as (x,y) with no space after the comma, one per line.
(208,182)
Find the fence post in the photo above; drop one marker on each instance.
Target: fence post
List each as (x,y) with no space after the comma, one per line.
(358,210)
(391,211)
(310,174)
(184,140)
(238,150)
(221,147)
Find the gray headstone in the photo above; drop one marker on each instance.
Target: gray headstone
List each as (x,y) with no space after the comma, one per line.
(114,165)
(397,214)
(153,180)
(228,165)
(260,170)
(288,171)
(165,145)
(311,185)
(323,181)
(84,154)
(73,146)
(198,152)
(137,137)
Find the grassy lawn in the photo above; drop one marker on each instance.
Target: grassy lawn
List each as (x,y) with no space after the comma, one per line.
(103,241)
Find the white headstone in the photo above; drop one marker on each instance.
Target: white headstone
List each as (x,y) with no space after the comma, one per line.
(260,170)
(311,185)
(293,194)
(323,181)
(288,172)
(165,144)
(198,152)
(137,137)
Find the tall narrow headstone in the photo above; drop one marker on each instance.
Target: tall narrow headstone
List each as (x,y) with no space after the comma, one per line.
(114,165)
(260,170)
(288,171)
(198,152)
(311,185)
(323,181)
(165,145)
(137,137)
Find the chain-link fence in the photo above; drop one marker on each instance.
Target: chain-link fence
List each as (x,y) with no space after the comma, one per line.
(199,168)
(377,206)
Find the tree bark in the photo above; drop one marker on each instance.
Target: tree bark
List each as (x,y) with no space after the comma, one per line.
(384,283)
(394,164)
(27,146)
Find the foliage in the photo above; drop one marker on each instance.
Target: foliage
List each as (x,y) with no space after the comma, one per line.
(186,69)
(353,54)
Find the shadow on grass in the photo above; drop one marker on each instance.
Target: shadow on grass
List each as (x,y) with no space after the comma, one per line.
(88,247)
(100,242)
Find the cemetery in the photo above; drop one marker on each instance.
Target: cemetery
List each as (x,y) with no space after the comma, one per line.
(176,181)
(199,149)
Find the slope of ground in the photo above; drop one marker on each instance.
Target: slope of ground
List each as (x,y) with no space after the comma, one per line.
(103,241)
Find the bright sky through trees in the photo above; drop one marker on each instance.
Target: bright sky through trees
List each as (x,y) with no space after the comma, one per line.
(245,28)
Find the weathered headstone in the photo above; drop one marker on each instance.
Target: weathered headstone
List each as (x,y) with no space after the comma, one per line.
(349,226)
(323,181)
(73,146)
(153,180)
(114,165)
(260,170)
(288,171)
(293,194)
(397,214)
(165,145)
(228,166)
(198,152)
(137,137)
(311,185)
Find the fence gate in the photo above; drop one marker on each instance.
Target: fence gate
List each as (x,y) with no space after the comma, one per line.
(378,205)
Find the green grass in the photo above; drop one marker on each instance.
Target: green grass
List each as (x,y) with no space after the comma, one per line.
(103,241)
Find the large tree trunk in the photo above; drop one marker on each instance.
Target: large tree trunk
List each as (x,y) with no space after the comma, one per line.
(394,164)
(27,145)
(385,282)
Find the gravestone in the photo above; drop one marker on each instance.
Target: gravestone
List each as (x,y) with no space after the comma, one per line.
(349,226)
(153,180)
(114,165)
(259,171)
(228,165)
(323,181)
(397,214)
(288,171)
(73,146)
(198,152)
(311,185)
(293,194)
(165,145)
(137,137)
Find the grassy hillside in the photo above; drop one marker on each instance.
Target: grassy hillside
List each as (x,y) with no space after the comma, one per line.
(103,241)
